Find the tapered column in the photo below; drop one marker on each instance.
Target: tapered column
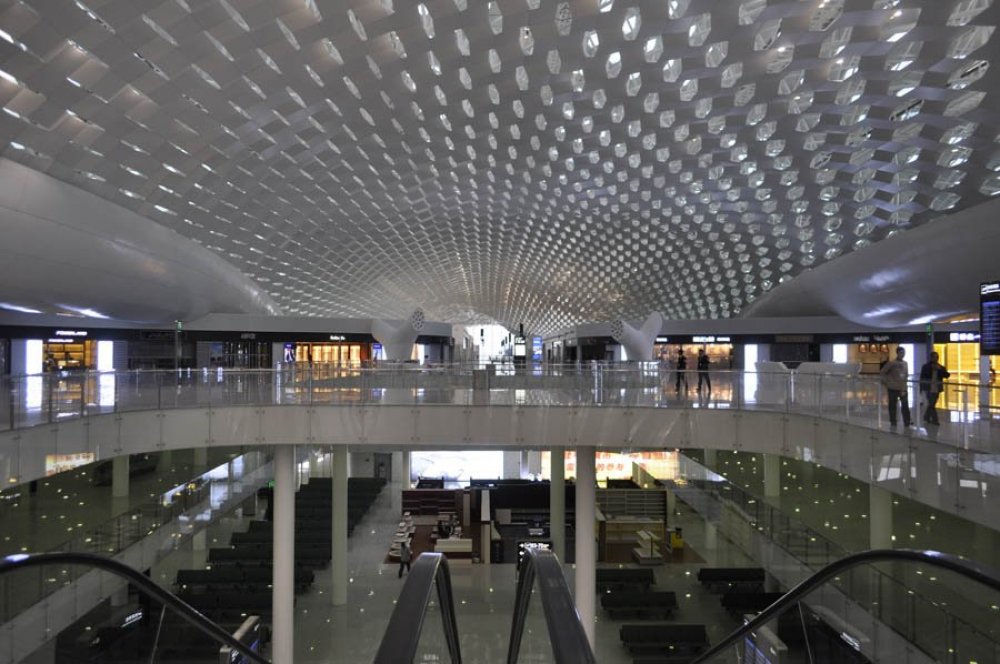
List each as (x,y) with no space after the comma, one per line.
(282,601)
(338,564)
(119,476)
(557,502)
(586,551)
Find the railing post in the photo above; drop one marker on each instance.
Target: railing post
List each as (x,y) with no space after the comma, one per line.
(159,391)
(83,394)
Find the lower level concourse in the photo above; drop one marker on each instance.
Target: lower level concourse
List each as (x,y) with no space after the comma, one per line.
(694,510)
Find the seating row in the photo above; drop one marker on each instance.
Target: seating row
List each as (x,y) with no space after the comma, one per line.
(639,604)
(613,579)
(738,602)
(726,578)
(664,641)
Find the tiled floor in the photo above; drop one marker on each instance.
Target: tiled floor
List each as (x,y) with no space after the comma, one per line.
(484,595)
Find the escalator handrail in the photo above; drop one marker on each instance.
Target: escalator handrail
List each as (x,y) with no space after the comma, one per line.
(402,635)
(971,570)
(569,641)
(20,561)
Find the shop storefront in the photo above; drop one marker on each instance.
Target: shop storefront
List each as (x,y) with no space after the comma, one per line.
(720,350)
(959,352)
(340,353)
(34,350)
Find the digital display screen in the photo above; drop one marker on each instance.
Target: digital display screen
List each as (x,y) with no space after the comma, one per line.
(536,349)
(989,318)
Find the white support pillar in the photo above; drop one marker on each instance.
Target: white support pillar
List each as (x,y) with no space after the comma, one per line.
(313,462)
(283,597)
(586,551)
(405,471)
(880,517)
(200,457)
(338,565)
(119,476)
(772,475)
(511,464)
(557,502)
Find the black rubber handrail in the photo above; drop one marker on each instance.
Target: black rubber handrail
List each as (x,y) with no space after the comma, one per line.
(985,575)
(569,642)
(20,561)
(402,635)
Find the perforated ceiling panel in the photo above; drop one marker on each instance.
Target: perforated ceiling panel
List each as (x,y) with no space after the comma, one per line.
(519,160)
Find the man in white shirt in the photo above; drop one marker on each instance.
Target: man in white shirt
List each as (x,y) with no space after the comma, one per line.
(895,374)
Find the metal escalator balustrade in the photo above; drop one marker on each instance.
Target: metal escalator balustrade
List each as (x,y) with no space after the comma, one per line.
(402,635)
(743,636)
(566,634)
(15,562)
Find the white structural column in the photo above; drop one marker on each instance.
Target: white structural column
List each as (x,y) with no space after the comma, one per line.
(119,476)
(405,472)
(283,597)
(586,551)
(557,502)
(880,517)
(200,457)
(772,475)
(313,463)
(338,564)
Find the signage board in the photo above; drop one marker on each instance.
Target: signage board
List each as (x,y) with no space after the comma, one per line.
(536,349)
(989,318)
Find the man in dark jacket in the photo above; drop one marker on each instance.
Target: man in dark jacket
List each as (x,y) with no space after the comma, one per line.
(703,376)
(932,375)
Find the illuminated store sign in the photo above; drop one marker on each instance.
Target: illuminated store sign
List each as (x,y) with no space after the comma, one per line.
(709,339)
(869,338)
(964,336)
(338,337)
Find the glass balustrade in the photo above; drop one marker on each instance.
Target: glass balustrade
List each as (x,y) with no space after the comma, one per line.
(171,517)
(944,616)
(860,400)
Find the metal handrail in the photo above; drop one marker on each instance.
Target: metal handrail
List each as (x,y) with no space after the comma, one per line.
(402,634)
(20,561)
(569,642)
(974,571)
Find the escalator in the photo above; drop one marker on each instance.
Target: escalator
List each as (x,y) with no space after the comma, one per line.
(815,622)
(158,628)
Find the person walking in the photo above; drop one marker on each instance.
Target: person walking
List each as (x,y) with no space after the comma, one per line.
(703,365)
(405,555)
(681,372)
(894,375)
(932,375)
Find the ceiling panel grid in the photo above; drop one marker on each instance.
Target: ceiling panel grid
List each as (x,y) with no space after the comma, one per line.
(515,160)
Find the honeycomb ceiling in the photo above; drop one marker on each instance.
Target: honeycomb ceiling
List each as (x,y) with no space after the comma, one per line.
(516,160)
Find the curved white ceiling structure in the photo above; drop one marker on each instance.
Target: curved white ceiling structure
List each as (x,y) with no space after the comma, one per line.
(526,161)
(932,273)
(65,251)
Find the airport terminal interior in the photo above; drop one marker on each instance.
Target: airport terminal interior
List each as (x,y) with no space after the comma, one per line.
(638,331)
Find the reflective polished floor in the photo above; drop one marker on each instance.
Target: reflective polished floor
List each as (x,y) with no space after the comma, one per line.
(484,595)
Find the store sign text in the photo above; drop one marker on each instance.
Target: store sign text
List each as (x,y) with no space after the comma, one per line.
(963,336)
(709,339)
